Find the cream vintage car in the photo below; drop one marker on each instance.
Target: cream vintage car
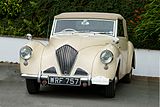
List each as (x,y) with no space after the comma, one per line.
(84,49)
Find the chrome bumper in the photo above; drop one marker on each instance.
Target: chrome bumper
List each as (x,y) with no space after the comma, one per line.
(98,80)
(29,76)
(41,77)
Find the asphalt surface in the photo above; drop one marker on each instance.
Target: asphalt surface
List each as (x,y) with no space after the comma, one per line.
(142,92)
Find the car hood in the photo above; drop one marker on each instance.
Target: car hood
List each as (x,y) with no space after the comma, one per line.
(56,54)
(80,42)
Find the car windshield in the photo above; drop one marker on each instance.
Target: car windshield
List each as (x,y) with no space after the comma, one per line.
(99,26)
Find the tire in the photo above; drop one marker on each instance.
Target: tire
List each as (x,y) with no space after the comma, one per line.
(33,86)
(110,89)
(128,77)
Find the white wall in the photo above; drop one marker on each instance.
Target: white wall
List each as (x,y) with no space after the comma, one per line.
(147,61)
(9,48)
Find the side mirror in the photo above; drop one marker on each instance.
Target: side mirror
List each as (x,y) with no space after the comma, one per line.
(116,40)
(29,36)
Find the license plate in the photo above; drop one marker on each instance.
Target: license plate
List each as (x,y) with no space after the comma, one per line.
(64,81)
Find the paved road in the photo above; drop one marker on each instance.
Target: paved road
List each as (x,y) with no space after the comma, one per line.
(140,93)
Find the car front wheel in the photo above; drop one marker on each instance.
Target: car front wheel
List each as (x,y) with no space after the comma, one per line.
(110,89)
(33,86)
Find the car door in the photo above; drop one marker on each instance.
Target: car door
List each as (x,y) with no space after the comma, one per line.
(123,46)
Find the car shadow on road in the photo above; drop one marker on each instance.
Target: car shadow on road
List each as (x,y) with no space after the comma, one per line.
(92,93)
(72,92)
(127,92)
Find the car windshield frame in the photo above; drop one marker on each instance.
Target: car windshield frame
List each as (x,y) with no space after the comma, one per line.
(103,33)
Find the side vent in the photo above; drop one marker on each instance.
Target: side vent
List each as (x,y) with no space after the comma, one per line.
(50,70)
(80,71)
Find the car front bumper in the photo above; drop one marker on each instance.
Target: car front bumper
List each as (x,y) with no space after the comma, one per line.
(98,80)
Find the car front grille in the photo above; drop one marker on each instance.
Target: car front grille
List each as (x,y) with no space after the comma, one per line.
(66,56)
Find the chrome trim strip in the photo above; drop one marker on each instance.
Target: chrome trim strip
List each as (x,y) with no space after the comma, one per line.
(116,28)
(53,27)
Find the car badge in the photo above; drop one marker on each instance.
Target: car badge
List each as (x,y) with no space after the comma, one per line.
(65,73)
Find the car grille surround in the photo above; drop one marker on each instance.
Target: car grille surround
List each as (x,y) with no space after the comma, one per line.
(66,56)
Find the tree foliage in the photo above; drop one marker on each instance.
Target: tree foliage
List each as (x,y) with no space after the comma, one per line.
(10,8)
(19,17)
(10,11)
(148,31)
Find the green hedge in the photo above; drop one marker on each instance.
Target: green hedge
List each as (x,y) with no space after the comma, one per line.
(19,17)
(148,30)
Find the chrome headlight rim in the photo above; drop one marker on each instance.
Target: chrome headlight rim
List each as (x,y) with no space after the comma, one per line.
(109,58)
(26,52)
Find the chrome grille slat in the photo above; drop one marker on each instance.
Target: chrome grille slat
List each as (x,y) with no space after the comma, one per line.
(66,56)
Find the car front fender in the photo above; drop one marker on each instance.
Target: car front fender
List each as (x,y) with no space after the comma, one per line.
(131,57)
(109,70)
(33,66)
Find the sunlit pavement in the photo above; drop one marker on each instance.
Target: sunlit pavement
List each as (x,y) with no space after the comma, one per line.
(142,92)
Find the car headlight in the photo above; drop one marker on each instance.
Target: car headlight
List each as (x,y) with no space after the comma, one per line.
(25,52)
(106,56)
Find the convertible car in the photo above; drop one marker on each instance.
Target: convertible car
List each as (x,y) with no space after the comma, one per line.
(84,49)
